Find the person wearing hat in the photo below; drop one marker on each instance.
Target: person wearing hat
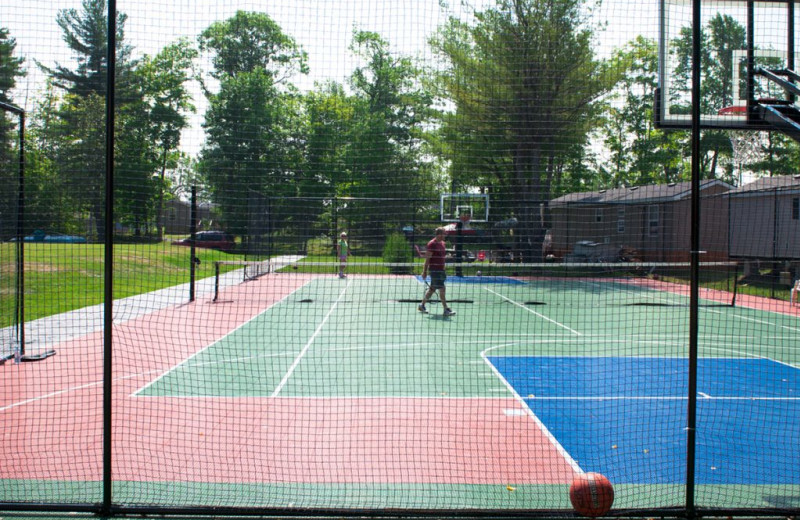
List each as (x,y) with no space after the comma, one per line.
(343,250)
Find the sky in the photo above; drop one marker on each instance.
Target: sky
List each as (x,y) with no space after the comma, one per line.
(324,28)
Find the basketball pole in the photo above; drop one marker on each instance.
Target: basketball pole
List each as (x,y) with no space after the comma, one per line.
(691,427)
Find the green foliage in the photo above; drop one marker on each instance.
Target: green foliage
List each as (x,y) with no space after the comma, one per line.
(386,135)
(640,153)
(397,250)
(10,70)
(250,41)
(138,268)
(10,66)
(524,81)
(252,124)
(84,32)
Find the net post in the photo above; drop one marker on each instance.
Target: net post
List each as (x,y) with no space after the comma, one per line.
(216,281)
(193,233)
(735,283)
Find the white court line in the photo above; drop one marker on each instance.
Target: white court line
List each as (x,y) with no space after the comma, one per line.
(762,322)
(744,318)
(70,389)
(186,361)
(239,359)
(559,448)
(308,344)
(534,312)
(658,398)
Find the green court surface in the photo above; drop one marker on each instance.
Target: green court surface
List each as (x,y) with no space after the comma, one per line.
(339,393)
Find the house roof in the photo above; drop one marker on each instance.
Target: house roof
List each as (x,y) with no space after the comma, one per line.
(778,182)
(638,194)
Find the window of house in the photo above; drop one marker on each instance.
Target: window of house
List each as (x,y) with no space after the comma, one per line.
(653,220)
(620,220)
(795,209)
(598,215)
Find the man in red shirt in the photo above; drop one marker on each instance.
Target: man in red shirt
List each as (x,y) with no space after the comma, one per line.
(434,262)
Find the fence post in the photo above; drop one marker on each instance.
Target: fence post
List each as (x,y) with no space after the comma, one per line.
(193,233)
(108,313)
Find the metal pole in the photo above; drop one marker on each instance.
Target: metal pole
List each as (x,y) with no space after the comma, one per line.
(109,260)
(691,426)
(751,87)
(21,239)
(193,233)
(19,310)
(790,43)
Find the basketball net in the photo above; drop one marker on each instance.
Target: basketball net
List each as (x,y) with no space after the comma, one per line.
(465,218)
(748,147)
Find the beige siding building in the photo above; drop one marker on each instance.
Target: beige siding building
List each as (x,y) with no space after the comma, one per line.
(653,221)
(765,219)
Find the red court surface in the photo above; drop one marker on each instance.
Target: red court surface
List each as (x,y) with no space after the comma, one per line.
(53,411)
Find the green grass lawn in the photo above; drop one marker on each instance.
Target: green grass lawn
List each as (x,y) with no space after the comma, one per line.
(63,277)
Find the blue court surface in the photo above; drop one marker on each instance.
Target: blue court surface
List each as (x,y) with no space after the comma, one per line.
(626,417)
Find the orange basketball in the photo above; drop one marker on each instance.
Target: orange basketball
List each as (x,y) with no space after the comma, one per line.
(591,494)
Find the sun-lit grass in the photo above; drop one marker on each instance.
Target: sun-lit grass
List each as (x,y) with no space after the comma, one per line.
(63,277)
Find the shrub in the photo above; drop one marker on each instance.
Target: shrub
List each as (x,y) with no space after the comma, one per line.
(397,250)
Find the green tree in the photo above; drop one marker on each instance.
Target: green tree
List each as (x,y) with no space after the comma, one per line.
(253,124)
(779,155)
(162,114)
(640,153)
(391,109)
(252,41)
(371,140)
(48,201)
(523,79)
(331,115)
(85,33)
(78,139)
(10,70)
(10,66)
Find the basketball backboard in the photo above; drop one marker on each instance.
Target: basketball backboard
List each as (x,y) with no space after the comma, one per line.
(465,207)
(724,79)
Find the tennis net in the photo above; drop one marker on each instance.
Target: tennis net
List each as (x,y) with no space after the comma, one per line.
(612,283)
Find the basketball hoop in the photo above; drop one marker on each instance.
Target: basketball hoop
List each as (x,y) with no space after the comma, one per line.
(747,145)
(465,218)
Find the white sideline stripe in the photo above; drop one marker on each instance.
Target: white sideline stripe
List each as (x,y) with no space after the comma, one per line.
(761,322)
(187,360)
(46,396)
(559,448)
(308,344)
(659,398)
(68,390)
(534,312)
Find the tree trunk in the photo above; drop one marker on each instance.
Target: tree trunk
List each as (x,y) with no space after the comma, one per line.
(529,194)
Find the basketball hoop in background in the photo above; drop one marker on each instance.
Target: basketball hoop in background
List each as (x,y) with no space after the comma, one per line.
(464,216)
(747,145)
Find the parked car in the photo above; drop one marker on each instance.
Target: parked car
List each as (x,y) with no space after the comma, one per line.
(52,238)
(210,239)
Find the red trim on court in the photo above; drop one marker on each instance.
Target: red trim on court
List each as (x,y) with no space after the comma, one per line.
(51,419)
(723,297)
